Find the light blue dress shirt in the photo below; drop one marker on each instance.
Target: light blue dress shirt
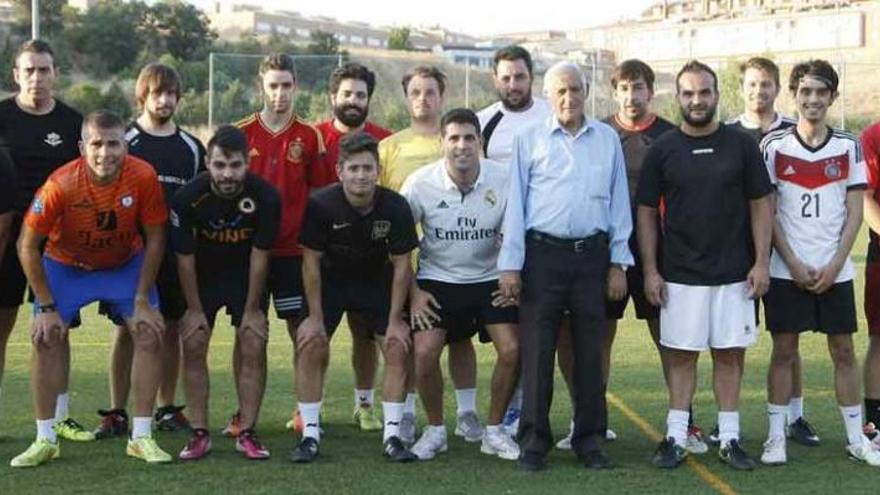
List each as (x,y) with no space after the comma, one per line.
(566,186)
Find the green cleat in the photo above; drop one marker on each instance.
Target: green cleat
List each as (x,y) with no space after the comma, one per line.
(366,418)
(40,452)
(69,429)
(146,448)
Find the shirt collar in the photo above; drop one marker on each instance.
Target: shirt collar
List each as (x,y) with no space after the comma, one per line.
(555,126)
(450,185)
(748,124)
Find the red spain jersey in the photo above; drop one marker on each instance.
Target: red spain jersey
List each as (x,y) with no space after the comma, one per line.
(292,160)
(96,227)
(332,135)
(870,140)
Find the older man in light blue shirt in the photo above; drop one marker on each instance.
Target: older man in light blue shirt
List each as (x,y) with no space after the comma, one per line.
(565,247)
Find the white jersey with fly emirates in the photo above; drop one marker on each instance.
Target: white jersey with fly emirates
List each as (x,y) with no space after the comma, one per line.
(499,125)
(811,187)
(460,231)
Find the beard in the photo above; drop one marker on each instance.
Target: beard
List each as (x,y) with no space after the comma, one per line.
(350,115)
(698,122)
(517,102)
(160,118)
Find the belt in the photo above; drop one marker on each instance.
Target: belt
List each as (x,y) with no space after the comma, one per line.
(575,245)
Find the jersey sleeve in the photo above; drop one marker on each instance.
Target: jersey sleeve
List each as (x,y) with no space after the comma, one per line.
(7,184)
(649,189)
(46,208)
(269,220)
(153,209)
(871,149)
(408,191)
(858,178)
(403,237)
(182,222)
(385,156)
(203,157)
(768,152)
(756,179)
(318,175)
(315,228)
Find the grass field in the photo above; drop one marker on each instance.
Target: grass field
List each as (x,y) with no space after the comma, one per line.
(351,462)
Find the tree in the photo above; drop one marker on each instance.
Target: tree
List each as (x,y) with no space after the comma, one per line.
(178,28)
(114,99)
(398,39)
(109,35)
(51,17)
(323,43)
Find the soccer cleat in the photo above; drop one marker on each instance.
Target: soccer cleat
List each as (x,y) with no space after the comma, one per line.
(146,449)
(69,429)
(500,444)
(396,451)
(565,443)
(114,423)
(40,451)
(774,452)
(367,418)
(864,452)
(871,433)
(669,455)
(198,446)
(511,420)
(248,444)
(295,423)
(610,435)
(233,427)
(736,457)
(714,440)
(432,442)
(408,428)
(305,451)
(171,418)
(802,432)
(468,427)
(695,443)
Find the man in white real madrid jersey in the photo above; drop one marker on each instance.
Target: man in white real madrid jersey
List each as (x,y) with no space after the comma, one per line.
(819,174)
(459,202)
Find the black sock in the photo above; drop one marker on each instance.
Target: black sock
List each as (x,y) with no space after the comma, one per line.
(872,411)
(691,416)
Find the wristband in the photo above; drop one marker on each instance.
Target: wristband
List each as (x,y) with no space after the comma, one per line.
(47,308)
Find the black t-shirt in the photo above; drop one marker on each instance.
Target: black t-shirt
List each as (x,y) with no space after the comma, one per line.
(7,184)
(38,144)
(222,231)
(177,158)
(635,146)
(357,246)
(706,184)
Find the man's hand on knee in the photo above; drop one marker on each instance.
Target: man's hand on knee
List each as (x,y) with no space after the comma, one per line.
(310,331)
(256,323)
(48,329)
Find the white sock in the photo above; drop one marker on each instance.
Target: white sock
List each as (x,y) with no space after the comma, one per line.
(776,418)
(393,413)
(795,409)
(677,426)
(45,430)
(435,430)
(409,407)
(311,417)
(728,426)
(62,403)
(466,398)
(516,398)
(495,429)
(141,427)
(852,420)
(363,397)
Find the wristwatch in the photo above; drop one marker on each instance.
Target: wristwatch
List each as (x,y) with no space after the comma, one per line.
(47,308)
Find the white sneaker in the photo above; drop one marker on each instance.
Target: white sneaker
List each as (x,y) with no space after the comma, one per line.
(864,452)
(565,443)
(468,427)
(408,428)
(498,443)
(774,452)
(432,442)
(694,443)
(610,435)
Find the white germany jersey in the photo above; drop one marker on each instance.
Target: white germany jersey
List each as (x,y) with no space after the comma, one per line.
(460,232)
(811,186)
(499,125)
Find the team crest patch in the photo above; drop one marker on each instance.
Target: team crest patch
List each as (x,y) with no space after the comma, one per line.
(37,206)
(295,151)
(247,205)
(381,229)
(832,169)
(490,198)
(127,201)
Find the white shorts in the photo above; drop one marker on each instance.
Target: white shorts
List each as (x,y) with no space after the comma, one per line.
(700,317)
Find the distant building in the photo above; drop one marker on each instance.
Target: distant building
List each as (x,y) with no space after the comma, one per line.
(481,57)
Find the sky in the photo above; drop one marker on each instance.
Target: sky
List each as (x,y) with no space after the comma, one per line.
(475,17)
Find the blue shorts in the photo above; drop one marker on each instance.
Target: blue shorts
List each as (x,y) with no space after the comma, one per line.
(74,288)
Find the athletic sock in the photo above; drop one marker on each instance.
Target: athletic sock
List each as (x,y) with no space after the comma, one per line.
(363,397)
(872,411)
(466,398)
(691,416)
(45,430)
(141,426)
(62,404)
(677,426)
(409,407)
(516,398)
(310,412)
(393,413)
(795,409)
(728,426)
(776,418)
(852,420)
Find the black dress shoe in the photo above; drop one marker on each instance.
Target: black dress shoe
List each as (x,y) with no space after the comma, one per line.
(531,463)
(596,459)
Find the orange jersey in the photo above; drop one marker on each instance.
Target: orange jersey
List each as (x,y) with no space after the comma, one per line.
(95,227)
(292,160)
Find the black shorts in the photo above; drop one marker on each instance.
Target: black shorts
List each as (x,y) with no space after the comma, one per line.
(232,296)
(172,304)
(286,286)
(635,289)
(370,299)
(788,308)
(12,279)
(466,309)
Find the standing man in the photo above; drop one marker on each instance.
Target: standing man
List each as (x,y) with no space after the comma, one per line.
(178,157)
(515,109)
(288,153)
(565,237)
(223,225)
(40,133)
(819,176)
(459,202)
(357,240)
(93,213)
(870,140)
(400,155)
(716,249)
(351,88)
